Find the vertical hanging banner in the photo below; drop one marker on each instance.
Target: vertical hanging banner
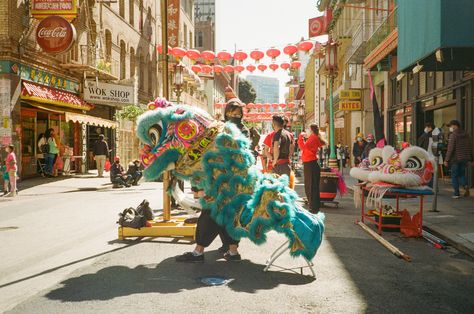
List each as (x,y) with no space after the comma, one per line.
(173,23)
(43,8)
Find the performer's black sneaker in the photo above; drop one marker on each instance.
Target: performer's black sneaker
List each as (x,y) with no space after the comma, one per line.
(223,249)
(232,258)
(189,257)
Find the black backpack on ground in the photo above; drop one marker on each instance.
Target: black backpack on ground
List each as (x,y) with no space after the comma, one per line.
(145,210)
(131,218)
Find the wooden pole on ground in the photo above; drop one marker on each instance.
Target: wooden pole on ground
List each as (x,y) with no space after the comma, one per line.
(385,243)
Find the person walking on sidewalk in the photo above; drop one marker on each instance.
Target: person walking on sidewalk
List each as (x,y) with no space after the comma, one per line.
(11,168)
(312,172)
(358,148)
(101,151)
(53,150)
(458,157)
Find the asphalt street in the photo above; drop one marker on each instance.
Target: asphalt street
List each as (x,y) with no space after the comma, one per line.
(60,254)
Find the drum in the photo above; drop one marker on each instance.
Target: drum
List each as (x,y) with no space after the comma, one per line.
(328,185)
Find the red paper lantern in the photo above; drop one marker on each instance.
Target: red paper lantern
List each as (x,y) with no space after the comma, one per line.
(229,68)
(267,105)
(258,105)
(206,68)
(296,64)
(257,55)
(251,68)
(273,53)
(273,66)
(196,68)
(193,54)
(224,56)
(282,105)
(208,56)
(159,48)
(240,56)
(218,68)
(290,49)
(250,105)
(275,105)
(262,67)
(178,52)
(305,45)
(239,68)
(285,65)
(291,105)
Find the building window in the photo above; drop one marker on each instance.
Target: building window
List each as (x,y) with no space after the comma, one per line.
(141,16)
(123,53)
(199,39)
(141,76)
(150,77)
(190,40)
(185,36)
(131,12)
(108,46)
(132,62)
(122,8)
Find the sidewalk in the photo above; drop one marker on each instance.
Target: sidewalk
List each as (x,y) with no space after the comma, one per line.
(454,221)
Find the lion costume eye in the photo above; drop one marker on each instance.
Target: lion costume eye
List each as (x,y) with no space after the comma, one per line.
(413,163)
(155,133)
(377,161)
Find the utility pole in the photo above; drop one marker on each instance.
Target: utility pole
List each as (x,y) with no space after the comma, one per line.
(164,44)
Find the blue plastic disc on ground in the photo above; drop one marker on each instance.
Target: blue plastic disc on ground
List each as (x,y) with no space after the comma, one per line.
(214,281)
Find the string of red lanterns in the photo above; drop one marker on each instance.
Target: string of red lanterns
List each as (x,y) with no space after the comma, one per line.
(260,105)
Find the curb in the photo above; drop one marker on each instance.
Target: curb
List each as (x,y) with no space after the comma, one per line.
(453,239)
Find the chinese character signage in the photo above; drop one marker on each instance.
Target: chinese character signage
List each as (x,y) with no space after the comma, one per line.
(350,94)
(41,77)
(43,8)
(173,23)
(350,105)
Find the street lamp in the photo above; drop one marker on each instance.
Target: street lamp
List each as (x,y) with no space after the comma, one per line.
(178,80)
(331,67)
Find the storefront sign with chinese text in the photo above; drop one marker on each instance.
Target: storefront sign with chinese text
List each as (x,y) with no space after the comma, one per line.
(109,94)
(173,23)
(55,34)
(354,94)
(350,105)
(41,9)
(41,77)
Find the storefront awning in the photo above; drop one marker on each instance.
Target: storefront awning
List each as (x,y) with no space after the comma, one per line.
(48,95)
(90,120)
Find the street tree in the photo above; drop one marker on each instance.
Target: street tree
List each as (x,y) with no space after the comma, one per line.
(247,93)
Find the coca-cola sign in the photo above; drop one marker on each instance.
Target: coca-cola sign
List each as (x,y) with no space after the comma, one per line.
(55,34)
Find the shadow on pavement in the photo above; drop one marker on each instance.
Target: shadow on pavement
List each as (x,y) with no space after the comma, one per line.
(170,276)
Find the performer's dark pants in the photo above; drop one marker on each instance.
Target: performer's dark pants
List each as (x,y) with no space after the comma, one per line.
(282,169)
(207,230)
(312,174)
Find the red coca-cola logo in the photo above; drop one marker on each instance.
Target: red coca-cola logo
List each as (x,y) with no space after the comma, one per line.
(55,34)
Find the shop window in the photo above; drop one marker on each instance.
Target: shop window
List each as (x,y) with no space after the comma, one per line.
(131,12)
(132,62)
(122,8)
(108,46)
(123,53)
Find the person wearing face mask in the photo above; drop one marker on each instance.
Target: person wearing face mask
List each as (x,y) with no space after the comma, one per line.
(458,157)
(369,146)
(424,139)
(358,148)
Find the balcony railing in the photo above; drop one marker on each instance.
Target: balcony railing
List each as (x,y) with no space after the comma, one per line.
(382,32)
(357,50)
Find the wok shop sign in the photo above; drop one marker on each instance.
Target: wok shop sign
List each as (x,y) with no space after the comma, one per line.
(108,94)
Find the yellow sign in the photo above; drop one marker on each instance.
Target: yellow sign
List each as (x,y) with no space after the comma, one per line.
(350,105)
(350,94)
(43,8)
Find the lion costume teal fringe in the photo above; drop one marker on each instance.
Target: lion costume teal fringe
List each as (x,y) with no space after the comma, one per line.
(216,158)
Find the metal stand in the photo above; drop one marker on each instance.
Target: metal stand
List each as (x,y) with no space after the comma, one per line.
(278,252)
(434,205)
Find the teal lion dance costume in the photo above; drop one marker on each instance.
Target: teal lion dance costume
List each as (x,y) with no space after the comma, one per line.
(215,157)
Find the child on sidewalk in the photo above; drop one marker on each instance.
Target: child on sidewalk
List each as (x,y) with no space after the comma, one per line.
(6,179)
(10,162)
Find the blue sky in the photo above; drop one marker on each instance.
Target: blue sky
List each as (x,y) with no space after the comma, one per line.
(249,24)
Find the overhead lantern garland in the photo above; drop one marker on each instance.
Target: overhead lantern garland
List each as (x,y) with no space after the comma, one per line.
(305,46)
(290,50)
(257,55)
(262,67)
(224,56)
(274,66)
(250,68)
(240,56)
(208,56)
(273,53)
